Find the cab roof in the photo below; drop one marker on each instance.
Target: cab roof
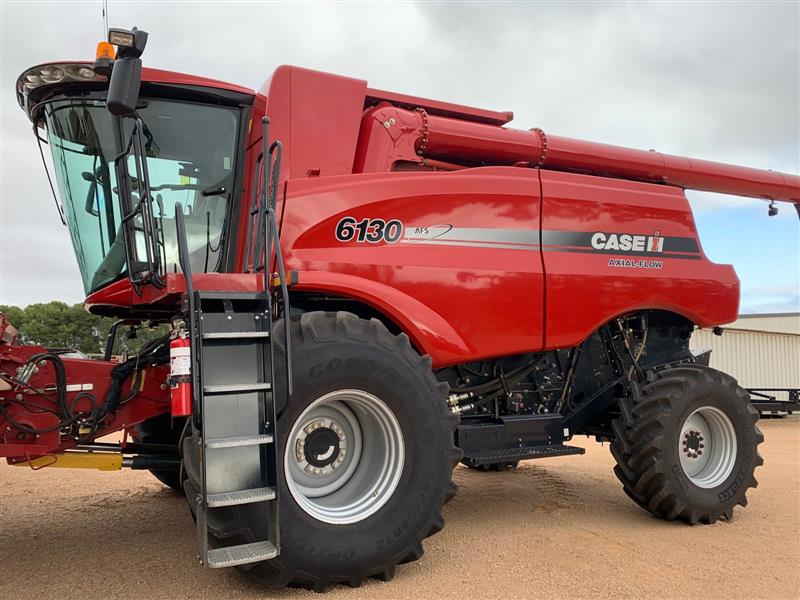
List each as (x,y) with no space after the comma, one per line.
(28,97)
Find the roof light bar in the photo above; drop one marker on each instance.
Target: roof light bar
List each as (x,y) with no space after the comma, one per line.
(52,74)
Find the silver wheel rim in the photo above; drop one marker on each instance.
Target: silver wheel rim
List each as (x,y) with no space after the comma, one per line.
(707,447)
(344,456)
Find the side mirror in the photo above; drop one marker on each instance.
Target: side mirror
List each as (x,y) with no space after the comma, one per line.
(123,89)
(126,74)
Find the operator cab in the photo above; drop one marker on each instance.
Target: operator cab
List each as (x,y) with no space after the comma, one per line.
(192,138)
(191,154)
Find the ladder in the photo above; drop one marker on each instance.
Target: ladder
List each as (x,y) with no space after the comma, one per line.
(233,409)
(238,462)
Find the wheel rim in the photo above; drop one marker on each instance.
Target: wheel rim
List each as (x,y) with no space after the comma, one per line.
(344,456)
(707,447)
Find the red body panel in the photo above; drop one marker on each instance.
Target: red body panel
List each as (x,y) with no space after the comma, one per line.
(121,293)
(437,107)
(480,289)
(316,116)
(160,76)
(458,301)
(584,291)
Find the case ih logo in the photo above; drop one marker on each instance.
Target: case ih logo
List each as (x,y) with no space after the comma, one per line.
(626,242)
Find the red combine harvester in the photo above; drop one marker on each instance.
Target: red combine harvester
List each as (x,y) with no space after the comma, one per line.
(362,289)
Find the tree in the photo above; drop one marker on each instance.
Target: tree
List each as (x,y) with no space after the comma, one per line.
(59,325)
(14,314)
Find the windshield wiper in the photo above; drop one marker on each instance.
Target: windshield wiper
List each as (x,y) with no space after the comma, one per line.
(213,191)
(209,191)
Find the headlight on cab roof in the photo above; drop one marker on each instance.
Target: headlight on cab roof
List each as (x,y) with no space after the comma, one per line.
(54,73)
(121,37)
(46,74)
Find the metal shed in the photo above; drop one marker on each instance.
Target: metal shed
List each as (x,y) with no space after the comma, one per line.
(760,350)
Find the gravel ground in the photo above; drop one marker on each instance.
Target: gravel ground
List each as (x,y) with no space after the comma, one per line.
(558,528)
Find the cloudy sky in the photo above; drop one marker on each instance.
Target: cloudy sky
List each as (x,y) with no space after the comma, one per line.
(712,80)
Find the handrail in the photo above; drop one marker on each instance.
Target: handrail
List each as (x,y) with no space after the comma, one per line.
(183,248)
(273,226)
(253,212)
(272,238)
(186,267)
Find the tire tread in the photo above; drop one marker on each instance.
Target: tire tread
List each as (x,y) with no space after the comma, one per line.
(638,447)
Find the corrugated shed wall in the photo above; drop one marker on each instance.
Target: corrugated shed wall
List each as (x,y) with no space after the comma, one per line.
(756,358)
(777,323)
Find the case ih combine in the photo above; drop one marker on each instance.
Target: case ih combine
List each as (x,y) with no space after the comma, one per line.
(362,289)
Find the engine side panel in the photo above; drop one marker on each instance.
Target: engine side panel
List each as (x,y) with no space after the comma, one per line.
(613,246)
(464,275)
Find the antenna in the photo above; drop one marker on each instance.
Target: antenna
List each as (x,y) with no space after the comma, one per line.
(105,19)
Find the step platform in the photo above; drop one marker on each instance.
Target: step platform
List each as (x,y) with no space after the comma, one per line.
(477,458)
(232,556)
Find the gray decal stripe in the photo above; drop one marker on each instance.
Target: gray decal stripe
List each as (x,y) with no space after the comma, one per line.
(680,244)
(467,244)
(471,234)
(566,238)
(528,239)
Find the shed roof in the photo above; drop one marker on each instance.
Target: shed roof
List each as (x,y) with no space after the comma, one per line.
(786,323)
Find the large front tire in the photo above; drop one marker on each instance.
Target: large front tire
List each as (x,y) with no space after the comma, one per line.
(363,398)
(687,445)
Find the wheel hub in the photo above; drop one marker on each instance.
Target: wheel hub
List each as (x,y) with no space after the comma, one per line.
(707,447)
(322,446)
(344,456)
(693,444)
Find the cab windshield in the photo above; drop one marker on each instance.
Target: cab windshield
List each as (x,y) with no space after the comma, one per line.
(191,157)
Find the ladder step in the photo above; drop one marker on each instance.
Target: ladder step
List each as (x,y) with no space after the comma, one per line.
(225,335)
(231,388)
(241,497)
(234,442)
(240,555)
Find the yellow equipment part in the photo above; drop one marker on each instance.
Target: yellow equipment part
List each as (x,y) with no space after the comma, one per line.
(102,461)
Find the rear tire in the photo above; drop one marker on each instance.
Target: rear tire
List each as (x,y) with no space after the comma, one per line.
(334,354)
(686,445)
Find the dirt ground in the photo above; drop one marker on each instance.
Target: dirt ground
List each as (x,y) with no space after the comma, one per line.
(556,528)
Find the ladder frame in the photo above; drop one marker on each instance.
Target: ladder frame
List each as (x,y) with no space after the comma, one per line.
(268,415)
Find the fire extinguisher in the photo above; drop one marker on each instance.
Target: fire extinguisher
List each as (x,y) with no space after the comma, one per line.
(180,375)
